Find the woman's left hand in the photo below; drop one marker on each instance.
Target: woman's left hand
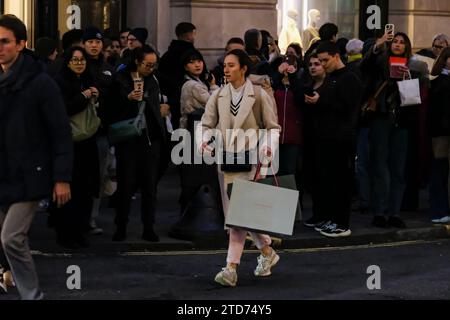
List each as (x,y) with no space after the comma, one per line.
(266,155)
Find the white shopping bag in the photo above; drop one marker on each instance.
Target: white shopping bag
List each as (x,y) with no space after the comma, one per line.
(262,208)
(409,92)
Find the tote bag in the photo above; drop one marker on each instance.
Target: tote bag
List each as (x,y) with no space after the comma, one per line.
(409,92)
(85,124)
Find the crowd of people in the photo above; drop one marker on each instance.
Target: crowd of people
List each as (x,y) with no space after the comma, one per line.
(314,104)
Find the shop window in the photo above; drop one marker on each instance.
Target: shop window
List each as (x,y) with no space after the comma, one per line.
(104,14)
(344,13)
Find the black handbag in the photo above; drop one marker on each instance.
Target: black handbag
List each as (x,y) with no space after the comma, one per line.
(237,162)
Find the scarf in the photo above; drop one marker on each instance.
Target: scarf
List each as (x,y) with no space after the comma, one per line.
(355,57)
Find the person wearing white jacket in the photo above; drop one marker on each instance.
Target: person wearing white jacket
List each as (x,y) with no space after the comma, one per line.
(240,107)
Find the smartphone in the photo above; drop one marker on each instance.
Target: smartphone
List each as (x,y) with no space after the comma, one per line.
(390,30)
(291,60)
(309,92)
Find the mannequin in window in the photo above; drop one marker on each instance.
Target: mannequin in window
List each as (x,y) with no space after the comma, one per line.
(290,33)
(311,33)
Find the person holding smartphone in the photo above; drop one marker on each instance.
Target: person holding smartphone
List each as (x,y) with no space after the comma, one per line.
(334,111)
(390,128)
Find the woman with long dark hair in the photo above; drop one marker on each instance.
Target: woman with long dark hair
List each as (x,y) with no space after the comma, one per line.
(389,127)
(72,220)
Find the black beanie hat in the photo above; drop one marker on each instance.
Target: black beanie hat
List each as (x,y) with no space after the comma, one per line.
(141,34)
(92,33)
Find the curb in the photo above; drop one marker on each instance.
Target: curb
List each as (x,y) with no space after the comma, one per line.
(219,244)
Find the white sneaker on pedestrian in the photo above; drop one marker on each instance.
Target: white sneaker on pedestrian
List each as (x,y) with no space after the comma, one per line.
(94,229)
(265,264)
(227,277)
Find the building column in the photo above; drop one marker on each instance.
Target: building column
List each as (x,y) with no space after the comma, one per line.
(420,20)
(216,21)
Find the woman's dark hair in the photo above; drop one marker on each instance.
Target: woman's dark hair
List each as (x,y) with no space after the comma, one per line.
(193,55)
(139,55)
(68,54)
(408,46)
(298,50)
(441,62)
(86,77)
(244,60)
(14,24)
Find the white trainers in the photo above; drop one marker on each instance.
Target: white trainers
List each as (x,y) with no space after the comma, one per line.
(94,229)
(265,264)
(227,277)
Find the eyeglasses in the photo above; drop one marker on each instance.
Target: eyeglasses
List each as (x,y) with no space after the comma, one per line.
(5,41)
(149,65)
(438,47)
(78,61)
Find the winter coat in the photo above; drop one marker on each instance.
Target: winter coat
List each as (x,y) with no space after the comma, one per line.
(102,74)
(126,109)
(36,147)
(440,107)
(289,115)
(375,68)
(194,96)
(172,70)
(86,173)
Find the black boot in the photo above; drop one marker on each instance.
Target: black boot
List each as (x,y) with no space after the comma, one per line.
(120,235)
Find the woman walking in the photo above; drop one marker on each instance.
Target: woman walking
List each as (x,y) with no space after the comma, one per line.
(241,106)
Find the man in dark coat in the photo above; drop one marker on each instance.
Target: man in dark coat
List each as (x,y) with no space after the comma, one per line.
(171,68)
(336,111)
(35,149)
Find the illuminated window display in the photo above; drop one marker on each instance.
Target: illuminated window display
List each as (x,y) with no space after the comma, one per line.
(312,14)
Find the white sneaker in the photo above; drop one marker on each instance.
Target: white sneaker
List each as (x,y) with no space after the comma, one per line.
(227,277)
(94,229)
(444,220)
(265,264)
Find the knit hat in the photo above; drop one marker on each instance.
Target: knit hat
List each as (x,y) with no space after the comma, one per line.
(141,34)
(354,46)
(92,33)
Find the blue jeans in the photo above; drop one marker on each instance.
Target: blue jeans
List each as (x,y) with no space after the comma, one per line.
(439,188)
(363,167)
(388,148)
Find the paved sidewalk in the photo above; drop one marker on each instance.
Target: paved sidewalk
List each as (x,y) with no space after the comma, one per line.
(43,239)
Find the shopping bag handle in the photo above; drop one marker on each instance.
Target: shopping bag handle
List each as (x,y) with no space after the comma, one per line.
(258,174)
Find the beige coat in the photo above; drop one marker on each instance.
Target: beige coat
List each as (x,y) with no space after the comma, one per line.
(194,95)
(218,116)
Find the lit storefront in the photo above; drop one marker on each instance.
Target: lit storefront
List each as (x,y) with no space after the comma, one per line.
(53,18)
